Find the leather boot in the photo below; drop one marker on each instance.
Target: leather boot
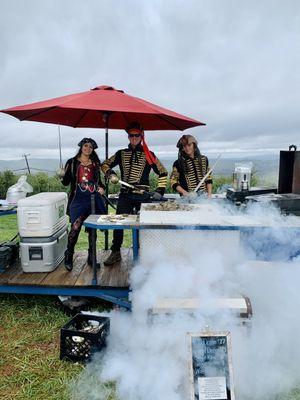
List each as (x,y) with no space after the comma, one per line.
(69,260)
(113,258)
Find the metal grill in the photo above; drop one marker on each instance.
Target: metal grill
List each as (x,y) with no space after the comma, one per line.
(176,243)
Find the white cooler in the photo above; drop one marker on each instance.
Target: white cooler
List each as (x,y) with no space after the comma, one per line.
(40,254)
(42,215)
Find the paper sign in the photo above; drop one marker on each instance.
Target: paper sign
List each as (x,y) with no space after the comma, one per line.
(213,388)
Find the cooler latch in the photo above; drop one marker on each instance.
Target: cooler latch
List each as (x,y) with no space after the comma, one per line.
(35,253)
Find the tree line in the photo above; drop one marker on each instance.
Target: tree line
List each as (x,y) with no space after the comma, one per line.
(41,182)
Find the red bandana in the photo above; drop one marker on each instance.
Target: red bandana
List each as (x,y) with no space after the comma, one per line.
(151,159)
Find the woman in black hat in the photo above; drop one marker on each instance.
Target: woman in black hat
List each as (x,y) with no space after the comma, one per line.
(190,168)
(82,173)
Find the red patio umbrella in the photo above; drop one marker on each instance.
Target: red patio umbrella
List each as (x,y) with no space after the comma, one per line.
(102,107)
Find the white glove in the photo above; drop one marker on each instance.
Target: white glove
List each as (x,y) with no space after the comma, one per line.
(113,179)
(60,172)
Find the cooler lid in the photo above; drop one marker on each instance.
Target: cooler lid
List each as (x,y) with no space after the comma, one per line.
(42,199)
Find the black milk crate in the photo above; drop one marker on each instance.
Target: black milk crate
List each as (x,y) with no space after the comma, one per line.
(82,336)
(9,252)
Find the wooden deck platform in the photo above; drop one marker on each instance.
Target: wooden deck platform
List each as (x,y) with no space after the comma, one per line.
(116,276)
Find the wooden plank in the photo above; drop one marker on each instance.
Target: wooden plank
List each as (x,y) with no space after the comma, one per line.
(9,273)
(237,305)
(81,275)
(62,277)
(28,278)
(17,273)
(16,276)
(117,275)
(114,276)
(85,277)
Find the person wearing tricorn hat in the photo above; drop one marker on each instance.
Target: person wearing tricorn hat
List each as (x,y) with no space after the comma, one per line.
(190,168)
(135,164)
(82,173)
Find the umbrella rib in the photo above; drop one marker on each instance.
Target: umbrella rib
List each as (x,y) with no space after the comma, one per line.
(169,122)
(38,113)
(166,119)
(81,118)
(125,118)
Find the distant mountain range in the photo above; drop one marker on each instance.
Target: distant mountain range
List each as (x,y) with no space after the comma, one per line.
(35,164)
(265,166)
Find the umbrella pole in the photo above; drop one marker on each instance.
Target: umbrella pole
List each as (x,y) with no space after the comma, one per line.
(94,249)
(105,118)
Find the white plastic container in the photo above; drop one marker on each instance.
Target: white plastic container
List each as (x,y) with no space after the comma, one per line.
(18,191)
(242,176)
(43,214)
(43,254)
(15,195)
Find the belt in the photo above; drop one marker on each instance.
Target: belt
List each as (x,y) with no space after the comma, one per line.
(91,187)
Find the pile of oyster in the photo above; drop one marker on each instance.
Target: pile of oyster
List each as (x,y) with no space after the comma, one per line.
(170,205)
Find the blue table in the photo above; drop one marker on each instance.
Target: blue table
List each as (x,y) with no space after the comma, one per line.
(102,222)
(7,212)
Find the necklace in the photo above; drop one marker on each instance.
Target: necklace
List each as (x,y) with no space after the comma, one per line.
(85,163)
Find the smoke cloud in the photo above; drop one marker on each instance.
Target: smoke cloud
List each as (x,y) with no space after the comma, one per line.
(147,357)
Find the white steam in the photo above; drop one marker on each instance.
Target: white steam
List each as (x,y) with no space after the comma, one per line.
(148,358)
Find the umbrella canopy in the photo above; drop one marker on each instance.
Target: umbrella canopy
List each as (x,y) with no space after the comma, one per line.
(102,107)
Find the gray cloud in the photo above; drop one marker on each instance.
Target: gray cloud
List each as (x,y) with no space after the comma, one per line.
(234,65)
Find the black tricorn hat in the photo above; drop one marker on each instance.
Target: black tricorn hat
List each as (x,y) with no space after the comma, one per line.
(134,125)
(88,140)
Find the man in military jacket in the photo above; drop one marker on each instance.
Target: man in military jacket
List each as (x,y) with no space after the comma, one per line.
(135,163)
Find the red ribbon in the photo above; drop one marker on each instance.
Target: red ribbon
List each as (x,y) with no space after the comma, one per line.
(150,158)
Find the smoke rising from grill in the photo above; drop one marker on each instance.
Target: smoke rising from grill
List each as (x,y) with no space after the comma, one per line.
(148,358)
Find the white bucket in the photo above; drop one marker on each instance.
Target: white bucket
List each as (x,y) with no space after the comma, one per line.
(14,195)
(18,191)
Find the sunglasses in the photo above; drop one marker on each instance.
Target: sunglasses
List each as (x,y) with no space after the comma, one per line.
(131,135)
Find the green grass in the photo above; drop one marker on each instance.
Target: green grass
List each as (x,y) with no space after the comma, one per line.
(29,346)
(9,228)
(293,395)
(30,368)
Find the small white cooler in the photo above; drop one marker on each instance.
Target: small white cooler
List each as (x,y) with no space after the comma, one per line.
(42,215)
(43,254)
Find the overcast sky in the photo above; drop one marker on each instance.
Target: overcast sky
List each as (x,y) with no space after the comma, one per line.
(234,65)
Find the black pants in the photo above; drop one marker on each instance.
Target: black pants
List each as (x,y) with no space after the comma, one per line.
(74,234)
(128,203)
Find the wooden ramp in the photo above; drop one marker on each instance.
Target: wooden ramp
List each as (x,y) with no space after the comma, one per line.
(116,276)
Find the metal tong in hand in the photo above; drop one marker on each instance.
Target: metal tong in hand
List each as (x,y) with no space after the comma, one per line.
(154,196)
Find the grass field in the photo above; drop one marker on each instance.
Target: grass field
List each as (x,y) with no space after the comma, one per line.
(30,368)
